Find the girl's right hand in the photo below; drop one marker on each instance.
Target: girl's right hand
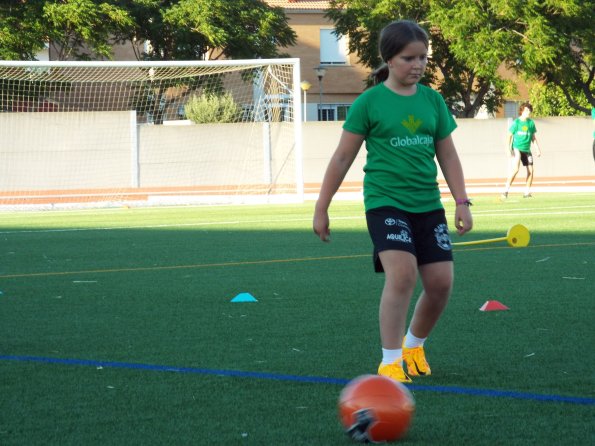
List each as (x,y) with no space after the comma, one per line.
(321,225)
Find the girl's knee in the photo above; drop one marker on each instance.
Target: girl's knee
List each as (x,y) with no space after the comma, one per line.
(403,286)
(438,282)
(400,283)
(440,288)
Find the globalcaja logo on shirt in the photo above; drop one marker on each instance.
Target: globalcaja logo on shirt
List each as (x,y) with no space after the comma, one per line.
(412,124)
(523,131)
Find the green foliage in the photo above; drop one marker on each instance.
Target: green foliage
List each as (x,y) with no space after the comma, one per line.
(213,29)
(551,41)
(75,29)
(550,100)
(83,29)
(472,33)
(558,48)
(212,108)
(21,31)
(176,29)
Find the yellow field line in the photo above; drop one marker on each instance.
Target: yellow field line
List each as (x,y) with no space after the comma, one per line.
(253,262)
(162,268)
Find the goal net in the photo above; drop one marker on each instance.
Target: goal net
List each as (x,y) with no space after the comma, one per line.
(103,134)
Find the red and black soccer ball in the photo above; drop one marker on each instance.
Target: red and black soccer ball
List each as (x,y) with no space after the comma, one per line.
(375,409)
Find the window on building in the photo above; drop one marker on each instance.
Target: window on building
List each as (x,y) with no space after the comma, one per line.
(333,50)
(333,112)
(511,109)
(326,114)
(342,112)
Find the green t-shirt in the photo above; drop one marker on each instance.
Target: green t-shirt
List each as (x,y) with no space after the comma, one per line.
(400,134)
(522,134)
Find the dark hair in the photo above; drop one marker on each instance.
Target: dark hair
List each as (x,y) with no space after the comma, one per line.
(393,38)
(525,105)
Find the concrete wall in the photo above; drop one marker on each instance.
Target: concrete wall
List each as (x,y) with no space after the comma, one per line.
(215,154)
(65,150)
(43,151)
(102,150)
(566,145)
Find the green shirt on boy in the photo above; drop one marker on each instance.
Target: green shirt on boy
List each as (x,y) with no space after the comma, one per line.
(522,134)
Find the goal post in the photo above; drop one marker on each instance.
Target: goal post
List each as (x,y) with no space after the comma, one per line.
(102,134)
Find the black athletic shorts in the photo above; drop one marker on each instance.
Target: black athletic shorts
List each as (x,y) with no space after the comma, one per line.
(526,158)
(425,235)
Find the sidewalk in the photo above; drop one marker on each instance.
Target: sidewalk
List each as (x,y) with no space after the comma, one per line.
(494,186)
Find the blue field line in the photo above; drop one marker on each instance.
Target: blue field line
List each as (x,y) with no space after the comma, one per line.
(303,379)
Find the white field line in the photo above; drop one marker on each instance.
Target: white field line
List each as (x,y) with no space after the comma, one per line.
(487,213)
(587,206)
(512,214)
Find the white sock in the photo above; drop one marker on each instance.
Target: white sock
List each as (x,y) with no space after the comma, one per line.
(390,356)
(412,341)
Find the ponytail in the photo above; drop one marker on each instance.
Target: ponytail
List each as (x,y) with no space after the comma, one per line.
(379,75)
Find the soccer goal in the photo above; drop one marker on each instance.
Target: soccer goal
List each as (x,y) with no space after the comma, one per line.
(102,134)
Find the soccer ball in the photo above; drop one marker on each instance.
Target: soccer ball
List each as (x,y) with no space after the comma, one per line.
(375,408)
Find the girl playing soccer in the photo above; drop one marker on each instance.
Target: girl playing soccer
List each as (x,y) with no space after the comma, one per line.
(405,125)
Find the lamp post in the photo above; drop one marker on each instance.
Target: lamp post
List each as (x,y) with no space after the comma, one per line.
(320,72)
(305,85)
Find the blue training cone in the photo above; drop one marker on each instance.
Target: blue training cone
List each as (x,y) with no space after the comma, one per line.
(244,297)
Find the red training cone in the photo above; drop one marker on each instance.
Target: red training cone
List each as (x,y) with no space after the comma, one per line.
(493,305)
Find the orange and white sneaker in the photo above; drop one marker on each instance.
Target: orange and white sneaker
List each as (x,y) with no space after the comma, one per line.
(394,371)
(415,359)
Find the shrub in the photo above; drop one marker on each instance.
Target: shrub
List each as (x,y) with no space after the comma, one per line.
(212,108)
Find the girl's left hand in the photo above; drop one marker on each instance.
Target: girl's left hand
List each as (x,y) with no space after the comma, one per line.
(463,219)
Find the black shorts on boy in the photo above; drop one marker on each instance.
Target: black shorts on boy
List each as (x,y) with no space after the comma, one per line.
(526,158)
(425,235)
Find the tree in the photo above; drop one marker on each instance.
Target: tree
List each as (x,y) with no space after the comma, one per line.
(466,88)
(549,100)
(557,47)
(173,29)
(84,29)
(21,31)
(75,29)
(210,29)
(551,41)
